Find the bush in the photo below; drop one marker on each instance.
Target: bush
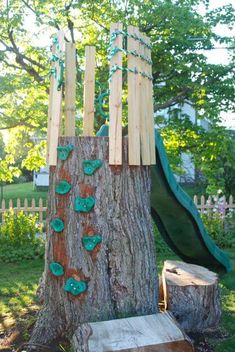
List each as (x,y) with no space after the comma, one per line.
(20,237)
(221,228)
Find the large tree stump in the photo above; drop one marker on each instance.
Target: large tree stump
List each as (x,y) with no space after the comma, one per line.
(121,271)
(192,295)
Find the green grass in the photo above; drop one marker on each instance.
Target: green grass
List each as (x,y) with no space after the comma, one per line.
(18,284)
(22,191)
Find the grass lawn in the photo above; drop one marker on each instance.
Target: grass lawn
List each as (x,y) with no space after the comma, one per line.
(22,191)
(18,283)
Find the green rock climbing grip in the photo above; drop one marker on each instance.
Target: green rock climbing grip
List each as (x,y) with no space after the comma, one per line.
(84,205)
(75,287)
(90,242)
(56,269)
(57,225)
(64,151)
(63,187)
(90,166)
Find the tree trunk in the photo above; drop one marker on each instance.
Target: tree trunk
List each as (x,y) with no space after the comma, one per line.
(120,273)
(192,295)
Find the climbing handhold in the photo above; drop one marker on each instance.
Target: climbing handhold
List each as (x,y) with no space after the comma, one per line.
(56,269)
(90,166)
(90,242)
(63,187)
(57,224)
(64,151)
(84,205)
(75,287)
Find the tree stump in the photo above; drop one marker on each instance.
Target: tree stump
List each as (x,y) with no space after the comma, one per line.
(192,295)
(116,273)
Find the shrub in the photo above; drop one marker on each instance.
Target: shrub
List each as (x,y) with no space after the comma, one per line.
(221,228)
(20,237)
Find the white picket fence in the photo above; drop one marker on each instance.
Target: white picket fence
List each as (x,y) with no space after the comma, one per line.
(210,204)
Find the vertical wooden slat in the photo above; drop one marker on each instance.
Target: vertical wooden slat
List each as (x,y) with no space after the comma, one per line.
(133,98)
(89,92)
(195,200)
(70,89)
(150,109)
(55,110)
(33,205)
(26,206)
(18,205)
(10,203)
(202,204)
(144,133)
(40,204)
(115,102)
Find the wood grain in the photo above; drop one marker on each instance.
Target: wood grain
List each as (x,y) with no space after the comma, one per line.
(115,103)
(89,92)
(70,89)
(133,101)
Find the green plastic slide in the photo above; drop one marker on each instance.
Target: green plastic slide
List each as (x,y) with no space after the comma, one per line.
(177,217)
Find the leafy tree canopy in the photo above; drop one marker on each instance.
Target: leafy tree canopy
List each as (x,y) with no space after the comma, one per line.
(180,69)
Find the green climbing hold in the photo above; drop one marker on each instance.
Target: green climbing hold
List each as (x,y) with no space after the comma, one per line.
(63,187)
(75,287)
(90,242)
(64,151)
(83,205)
(90,166)
(56,269)
(57,224)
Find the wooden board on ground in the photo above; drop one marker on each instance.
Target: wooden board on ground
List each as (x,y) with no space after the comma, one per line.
(192,295)
(149,333)
(115,101)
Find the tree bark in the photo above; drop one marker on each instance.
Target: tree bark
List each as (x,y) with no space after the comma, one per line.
(121,271)
(192,295)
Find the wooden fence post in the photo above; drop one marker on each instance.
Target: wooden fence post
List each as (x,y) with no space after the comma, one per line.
(115,100)
(133,99)
(89,92)
(70,89)
(55,103)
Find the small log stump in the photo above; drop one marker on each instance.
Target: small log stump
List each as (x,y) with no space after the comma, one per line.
(192,295)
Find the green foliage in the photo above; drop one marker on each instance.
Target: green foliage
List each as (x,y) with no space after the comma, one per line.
(20,237)
(215,224)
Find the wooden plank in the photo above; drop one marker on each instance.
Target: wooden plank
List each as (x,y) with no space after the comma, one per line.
(89,92)
(144,96)
(70,89)
(55,109)
(150,108)
(133,99)
(144,333)
(115,102)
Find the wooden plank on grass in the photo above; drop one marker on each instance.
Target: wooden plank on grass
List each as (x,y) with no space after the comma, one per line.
(133,99)
(150,109)
(115,101)
(56,100)
(70,89)
(89,92)
(144,133)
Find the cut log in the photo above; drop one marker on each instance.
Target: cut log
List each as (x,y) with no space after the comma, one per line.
(150,333)
(114,274)
(192,295)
